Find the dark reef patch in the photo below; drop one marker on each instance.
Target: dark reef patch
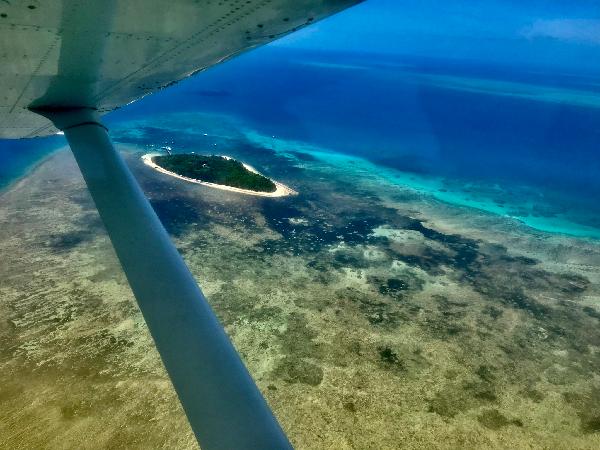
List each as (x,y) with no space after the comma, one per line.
(482,390)
(441,326)
(485,373)
(533,394)
(298,370)
(401,360)
(592,312)
(64,242)
(388,356)
(450,309)
(397,288)
(457,398)
(492,419)
(451,401)
(492,311)
(321,230)
(349,257)
(176,213)
(392,287)
(460,255)
(106,274)
(493,273)
(297,340)
(588,408)
(87,228)
(380,313)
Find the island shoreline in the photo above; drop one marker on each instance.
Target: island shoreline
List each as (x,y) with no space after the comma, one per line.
(281,189)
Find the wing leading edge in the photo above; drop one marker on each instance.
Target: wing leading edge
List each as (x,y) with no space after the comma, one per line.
(60,54)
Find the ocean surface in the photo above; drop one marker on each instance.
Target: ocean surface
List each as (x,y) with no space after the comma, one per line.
(520,142)
(434,284)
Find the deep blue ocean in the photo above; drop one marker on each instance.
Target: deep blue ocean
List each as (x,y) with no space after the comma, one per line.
(524,130)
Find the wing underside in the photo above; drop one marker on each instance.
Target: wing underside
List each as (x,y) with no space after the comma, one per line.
(106,54)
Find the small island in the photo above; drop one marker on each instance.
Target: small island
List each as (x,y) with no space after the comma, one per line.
(217,171)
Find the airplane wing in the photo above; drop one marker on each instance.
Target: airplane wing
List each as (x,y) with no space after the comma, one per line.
(64,63)
(104,54)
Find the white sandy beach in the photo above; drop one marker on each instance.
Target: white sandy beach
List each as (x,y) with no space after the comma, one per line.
(281,191)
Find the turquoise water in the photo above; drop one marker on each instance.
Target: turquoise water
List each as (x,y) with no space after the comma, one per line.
(17,157)
(526,209)
(517,143)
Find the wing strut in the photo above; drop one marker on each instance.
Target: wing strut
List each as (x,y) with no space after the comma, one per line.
(221,401)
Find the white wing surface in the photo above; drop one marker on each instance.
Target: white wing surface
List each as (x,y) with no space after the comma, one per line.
(104,54)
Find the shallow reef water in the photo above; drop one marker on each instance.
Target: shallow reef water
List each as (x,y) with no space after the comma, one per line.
(370,314)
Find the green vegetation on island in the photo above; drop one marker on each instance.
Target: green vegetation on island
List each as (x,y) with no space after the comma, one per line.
(215,169)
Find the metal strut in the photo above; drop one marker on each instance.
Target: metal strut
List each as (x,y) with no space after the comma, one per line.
(223,405)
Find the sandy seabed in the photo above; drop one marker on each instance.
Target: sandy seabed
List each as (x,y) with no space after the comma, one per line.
(371,317)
